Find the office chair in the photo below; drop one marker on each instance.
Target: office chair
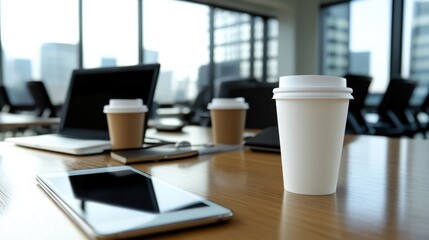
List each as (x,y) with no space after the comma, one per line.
(223,85)
(198,114)
(7,107)
(356,122)
(395,119)
(5,104)
(422,126)
(42,101)
(262,109)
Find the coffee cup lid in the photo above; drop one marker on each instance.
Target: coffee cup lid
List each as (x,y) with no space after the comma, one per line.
(313,89)
(312,95)
(312,86)
(228,103)
(311,81)
(125,106)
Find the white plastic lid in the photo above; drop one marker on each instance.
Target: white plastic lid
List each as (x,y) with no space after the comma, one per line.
(312,95)
(125,106)
(228,103)
(312,81)
(312,86)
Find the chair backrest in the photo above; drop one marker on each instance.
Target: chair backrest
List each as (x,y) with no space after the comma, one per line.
(225,85)
(360,85)
(397,96)
(5,104)
(199,115)
(262,108)
(356,121)
(425,104)
(41,99)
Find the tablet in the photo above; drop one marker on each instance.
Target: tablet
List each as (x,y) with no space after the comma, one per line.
(121,202)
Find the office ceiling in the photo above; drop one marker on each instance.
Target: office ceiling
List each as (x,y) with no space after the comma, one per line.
(266,7)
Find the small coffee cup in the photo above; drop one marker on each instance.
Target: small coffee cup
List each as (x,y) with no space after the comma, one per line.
(125,118)
(228,116)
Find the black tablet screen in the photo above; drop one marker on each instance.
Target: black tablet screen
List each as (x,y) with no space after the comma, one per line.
(108,195)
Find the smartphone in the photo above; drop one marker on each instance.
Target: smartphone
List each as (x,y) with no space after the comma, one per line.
(121,202)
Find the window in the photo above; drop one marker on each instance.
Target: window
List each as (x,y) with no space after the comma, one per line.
(110,33)
(415,48)
(273,32)
(39,41)
(180,44)
(335,40)
(356,39)
(232,33)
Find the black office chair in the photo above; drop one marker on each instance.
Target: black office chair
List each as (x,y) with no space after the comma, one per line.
(356,122)
(422,126)
(262,108)
(395,119)
(7,107)
(198,114)
(42,101)
(5,104)
(223,86)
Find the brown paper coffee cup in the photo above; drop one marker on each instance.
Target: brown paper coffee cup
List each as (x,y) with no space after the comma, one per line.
(126,129)
(125,120)
(228,125)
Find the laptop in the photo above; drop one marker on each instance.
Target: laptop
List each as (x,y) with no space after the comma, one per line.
(83,125)
(267,140)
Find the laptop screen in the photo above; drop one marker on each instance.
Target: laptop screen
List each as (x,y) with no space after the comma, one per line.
(91,89)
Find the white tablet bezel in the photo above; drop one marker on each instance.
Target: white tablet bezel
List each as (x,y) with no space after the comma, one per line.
(164,221)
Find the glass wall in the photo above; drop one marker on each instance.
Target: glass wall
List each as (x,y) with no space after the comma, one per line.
(272,50)
(335,39)
(357,39)
(232,44)
(39,42)
(110,33)
(180,44)
(415,48)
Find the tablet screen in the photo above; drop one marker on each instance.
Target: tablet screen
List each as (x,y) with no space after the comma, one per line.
(118,199)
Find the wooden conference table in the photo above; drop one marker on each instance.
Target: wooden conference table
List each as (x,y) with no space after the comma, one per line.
(383,192)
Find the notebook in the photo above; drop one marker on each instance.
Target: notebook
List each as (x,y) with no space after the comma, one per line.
(267,140)
(161,153)
(83,126)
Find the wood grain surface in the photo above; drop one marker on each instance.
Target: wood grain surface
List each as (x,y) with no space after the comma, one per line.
(382,192)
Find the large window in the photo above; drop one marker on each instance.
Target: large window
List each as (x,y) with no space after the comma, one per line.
(39,41)
(356,39)
(110,33)
(232,32)
(196,44)
(415,48)
(183,47)
(272,50)
(180,44)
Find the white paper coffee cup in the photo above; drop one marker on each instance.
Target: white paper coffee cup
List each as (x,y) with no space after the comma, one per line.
(311,114)
(228,117)
(125,118)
